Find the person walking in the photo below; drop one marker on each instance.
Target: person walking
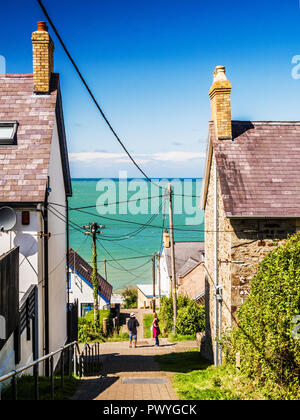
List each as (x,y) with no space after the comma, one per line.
(132,328)
(155,329)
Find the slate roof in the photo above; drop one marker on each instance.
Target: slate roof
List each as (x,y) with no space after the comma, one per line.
(24,166)
(259,169)
(190,264)
(78,264)
(183,252)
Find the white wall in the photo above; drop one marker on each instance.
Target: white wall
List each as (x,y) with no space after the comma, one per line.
(26,237)
(164,276)
(83,292)
(57,251)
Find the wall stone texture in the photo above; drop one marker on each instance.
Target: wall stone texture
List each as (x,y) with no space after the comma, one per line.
(242,245)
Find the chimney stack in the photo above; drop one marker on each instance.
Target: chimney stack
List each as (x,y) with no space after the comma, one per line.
(219,94)
(43,60)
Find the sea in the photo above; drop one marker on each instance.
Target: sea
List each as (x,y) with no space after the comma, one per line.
(132,214)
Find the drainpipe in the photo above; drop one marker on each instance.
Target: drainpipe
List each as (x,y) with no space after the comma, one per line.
(216,280)
(67,270)
(46,277)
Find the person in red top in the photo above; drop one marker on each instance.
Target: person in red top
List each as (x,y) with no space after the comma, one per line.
(155,329)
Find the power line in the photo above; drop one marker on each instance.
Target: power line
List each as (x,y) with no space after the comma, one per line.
(121,202)
(131,269)
(90,92)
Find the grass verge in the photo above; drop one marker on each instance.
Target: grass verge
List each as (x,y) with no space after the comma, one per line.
(197,379)
(178,337)
(25,389)
(147,321)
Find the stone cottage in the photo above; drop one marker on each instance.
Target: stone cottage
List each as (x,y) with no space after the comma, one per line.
(251,198)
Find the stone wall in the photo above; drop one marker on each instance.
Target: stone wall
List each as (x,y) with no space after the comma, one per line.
(242,245)
(251,241)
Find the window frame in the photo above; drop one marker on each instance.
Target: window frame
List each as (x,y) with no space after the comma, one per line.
(12,139)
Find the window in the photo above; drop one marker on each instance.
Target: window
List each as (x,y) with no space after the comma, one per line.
(86,307)
(8,132)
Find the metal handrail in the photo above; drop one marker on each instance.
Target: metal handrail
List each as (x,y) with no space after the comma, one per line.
(84,363)
(35,362)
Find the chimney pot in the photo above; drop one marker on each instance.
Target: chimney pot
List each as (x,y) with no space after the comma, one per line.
(42,26)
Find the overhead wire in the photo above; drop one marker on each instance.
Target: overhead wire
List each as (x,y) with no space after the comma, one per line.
(91,93)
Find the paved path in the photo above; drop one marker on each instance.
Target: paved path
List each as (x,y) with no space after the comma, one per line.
(132,373)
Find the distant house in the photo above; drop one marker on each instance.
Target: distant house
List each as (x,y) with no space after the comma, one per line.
(191,280)
(145,295)
(81,288)
(34,174)
(251,198)
(186,253)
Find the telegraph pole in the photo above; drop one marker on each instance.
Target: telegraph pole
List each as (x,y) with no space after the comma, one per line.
(93,230)
(159,287)
(105,270)
(153,275)
(174,294)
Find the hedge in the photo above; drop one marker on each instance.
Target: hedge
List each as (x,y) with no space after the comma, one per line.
(265,336)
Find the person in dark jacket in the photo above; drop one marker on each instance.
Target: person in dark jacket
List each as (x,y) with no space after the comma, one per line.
(132,328)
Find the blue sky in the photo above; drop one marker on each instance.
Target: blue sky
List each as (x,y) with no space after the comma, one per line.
(150,64)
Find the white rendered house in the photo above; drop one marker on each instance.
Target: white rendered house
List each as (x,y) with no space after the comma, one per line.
(34,174)
(81,288)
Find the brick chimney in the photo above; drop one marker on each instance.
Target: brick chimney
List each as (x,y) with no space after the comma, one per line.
(43,62)
(219,94)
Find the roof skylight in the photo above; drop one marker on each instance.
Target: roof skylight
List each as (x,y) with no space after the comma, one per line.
(8,131)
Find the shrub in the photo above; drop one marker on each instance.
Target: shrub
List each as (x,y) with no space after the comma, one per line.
(87,331)
(191,319)
(190,315)
(269,353)
(130,294)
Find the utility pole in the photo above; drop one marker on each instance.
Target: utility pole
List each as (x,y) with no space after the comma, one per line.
(105,270)
(94,231)
(174,294)
(159,287)
(153,275)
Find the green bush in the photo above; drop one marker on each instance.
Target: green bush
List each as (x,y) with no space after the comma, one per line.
(87,331)
(190,315)
(269,353)
(130,294)
(190,319)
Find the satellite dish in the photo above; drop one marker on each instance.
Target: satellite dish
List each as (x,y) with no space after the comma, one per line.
(8,219)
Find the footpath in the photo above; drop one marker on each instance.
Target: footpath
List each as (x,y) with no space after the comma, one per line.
(132,373)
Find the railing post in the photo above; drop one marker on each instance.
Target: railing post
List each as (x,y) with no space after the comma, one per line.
(36,381)
(70,361)
(14,388)
(75,360)
(93,360)
(62,369)
(52,377)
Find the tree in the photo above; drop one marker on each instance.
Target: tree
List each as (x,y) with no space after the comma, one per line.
(130,294)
